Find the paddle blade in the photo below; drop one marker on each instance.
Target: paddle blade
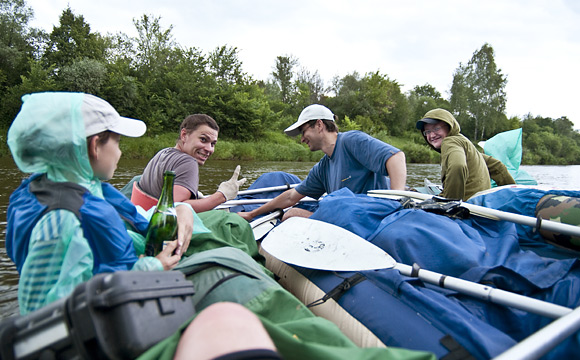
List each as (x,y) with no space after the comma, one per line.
(319,245)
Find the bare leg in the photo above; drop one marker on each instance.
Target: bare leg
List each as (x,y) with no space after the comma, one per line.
(220,329)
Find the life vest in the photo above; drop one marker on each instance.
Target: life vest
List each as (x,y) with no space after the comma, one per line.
(141,198)
(101,220)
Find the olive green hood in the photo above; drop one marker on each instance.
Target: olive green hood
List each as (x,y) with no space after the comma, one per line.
(439,115)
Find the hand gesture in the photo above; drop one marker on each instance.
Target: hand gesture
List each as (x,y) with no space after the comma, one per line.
(231,187)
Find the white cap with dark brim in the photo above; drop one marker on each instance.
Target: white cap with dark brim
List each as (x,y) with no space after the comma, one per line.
(99,116)
(312,112)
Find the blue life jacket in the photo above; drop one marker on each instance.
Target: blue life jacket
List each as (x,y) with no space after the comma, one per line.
(101,220)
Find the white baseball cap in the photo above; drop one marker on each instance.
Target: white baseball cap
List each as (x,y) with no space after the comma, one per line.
(312,112)
(99,116)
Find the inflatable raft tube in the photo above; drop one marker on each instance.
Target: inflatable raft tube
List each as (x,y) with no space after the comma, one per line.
(307,292)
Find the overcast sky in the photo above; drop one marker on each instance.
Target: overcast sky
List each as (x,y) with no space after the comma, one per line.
(536,42)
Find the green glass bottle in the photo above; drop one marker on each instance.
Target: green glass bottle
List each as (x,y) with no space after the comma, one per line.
(163,224)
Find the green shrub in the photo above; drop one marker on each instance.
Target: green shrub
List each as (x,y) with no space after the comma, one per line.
(224,150)
(245,151)
(422,154)
(278,137)
(145,147)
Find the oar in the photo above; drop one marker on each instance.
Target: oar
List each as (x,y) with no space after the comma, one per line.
(318,245)
(548,225)
(545,339)
(231,203)
(267,189)
(271,216)
(261,226)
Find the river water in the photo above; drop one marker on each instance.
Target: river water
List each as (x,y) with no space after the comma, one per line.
(214,172)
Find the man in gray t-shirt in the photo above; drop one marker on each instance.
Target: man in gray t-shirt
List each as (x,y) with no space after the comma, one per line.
(197,139)
(186,172)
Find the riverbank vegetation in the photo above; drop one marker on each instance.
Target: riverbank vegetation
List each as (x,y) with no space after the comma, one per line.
(151,77)
(274,146)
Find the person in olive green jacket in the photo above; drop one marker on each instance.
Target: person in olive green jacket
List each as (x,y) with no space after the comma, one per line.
(464,170)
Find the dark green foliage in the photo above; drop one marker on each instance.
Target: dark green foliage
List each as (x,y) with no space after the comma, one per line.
(86,75)
(478,98)
(550,142)
(225,66)
(374,99)
(73,40)
(151,77)
(264,151)
(423,154)
(16,42)
(283,75)
(422,99)
(37,79)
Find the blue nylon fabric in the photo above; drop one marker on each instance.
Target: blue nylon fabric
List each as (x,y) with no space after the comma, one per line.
(475,249)
(348,211)
(113,252)
(381,309)
(22,215)
(442,314)
(125,208)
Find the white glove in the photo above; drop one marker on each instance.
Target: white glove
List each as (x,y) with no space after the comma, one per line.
(231,187)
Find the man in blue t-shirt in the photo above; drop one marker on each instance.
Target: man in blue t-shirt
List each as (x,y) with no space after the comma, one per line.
(352,159)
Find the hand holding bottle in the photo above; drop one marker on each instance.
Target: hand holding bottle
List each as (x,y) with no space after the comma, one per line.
(167,257)
(231,187)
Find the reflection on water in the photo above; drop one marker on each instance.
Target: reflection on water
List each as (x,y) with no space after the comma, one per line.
(212,174)
(11,178)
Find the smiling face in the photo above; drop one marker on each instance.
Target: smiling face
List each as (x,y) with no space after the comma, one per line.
(435,133)
(200,143)
(309,135)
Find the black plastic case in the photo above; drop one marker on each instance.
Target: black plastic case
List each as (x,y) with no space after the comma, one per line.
(112,316)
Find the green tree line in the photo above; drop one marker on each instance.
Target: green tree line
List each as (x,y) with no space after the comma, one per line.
(153,78)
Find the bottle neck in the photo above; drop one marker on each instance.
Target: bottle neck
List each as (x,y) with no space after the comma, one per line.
(166,198)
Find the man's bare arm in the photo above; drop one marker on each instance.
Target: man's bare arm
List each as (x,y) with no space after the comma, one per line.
(397,168)
(181,194)
(286,199)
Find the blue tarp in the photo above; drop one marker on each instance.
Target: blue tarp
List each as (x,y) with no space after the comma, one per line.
(475,249)
(405,312)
